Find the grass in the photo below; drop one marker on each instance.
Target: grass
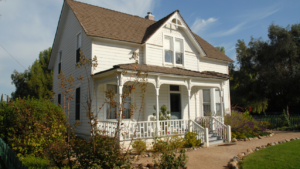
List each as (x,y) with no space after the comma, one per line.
(282,156)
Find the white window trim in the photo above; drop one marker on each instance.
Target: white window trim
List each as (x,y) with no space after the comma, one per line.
(181,98)
(80,32)
(105,107)
(174,54)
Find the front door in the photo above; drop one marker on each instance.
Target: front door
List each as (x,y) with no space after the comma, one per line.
(175,106)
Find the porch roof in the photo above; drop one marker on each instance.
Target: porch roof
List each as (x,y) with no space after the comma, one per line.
(169,70)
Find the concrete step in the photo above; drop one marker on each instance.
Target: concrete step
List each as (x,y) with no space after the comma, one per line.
(216,142)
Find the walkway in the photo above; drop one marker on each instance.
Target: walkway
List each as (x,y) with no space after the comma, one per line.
(217,157)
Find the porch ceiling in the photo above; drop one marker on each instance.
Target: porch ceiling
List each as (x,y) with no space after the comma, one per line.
(168,70)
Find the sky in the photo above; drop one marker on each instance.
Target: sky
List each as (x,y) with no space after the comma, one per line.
(28,27)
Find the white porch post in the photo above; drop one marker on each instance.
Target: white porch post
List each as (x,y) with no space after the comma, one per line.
(221,100)
(157,111)
(189,108)
(120,101)
(120,91)
(229,133)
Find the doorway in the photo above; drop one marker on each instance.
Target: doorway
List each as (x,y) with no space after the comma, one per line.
(175,106)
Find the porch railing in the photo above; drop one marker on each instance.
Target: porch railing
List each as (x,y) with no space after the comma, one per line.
(221,129)
(147,129)
(199,130)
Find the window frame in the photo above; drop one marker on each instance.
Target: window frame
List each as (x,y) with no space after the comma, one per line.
(77,104)
(59,61)
(174,64)
(218,102)
(77,49)
(106,107)
(206,103)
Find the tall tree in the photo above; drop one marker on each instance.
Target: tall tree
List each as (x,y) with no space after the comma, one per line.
(222,49)
(274,64)
(36,81)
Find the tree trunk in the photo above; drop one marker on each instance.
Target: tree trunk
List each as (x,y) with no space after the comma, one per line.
(287,111)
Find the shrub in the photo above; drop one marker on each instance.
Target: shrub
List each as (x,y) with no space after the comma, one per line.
(243,124)
(107,153)
(169,160)
(28,125)
(160,145)
(35,162)
(139,146)
(176,142)
(190,139)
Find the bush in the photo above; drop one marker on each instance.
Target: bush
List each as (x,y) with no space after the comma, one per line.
(28,125)
(176,142)
(107,153)
(190,139)
(35,162)
(139,146)
(161,145)
(243,125)
(169,160)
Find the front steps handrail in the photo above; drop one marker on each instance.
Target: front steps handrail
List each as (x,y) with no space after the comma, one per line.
(221,129)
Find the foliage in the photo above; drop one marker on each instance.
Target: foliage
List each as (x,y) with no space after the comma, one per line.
(242,124)
(36,81)
(176,142)
(285,155)
(221,49)
(164,113)
(271,67)
(169,160)
(35,162)
(191,140)
(139,145)
(27,125)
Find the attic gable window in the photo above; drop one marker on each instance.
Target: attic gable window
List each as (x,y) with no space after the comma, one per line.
(174,50)
(78,47)
(168,45)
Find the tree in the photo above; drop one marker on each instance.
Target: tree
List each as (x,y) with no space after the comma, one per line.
(274,64)
(36,81)
(222,49)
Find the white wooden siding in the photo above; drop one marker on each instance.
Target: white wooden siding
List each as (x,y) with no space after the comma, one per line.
(154,55)
(67,44)
(210,65)
(109,54)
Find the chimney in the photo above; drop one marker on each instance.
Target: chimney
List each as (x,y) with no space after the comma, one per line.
(150,16)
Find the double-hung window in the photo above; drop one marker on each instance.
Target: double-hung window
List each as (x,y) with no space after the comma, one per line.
(111,109)
(78,47)
(218,102)
(173,48)
(59,64)
(179,50)
(59,99)
(77,104)
(206,102)
(168,46)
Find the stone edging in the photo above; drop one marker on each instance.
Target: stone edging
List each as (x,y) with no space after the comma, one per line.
(233,163)
(249,139)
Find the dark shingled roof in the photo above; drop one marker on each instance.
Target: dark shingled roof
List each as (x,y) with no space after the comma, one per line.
(105,23)
(168,70)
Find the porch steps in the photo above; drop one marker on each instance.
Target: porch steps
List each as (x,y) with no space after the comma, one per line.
(213,139)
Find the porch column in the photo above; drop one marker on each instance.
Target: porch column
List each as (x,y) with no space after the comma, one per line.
(120,110)
(157,111)
(120,101)
(221,101)
(189,108)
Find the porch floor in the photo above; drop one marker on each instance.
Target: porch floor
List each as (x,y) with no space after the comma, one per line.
(218,156)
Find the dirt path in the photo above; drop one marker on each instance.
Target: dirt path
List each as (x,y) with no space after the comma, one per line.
(217,157)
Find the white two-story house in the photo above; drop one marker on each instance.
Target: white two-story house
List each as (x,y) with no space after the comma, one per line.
(186,73)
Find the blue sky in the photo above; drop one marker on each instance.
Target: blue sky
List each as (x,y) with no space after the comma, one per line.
(28,27)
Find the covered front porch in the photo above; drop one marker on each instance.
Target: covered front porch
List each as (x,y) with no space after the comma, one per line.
(188,98)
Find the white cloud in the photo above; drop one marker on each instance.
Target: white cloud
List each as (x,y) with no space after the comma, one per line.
(230,31)
(202,24)
(133,7)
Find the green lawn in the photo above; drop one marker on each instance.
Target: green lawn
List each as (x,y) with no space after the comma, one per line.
(286,155)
